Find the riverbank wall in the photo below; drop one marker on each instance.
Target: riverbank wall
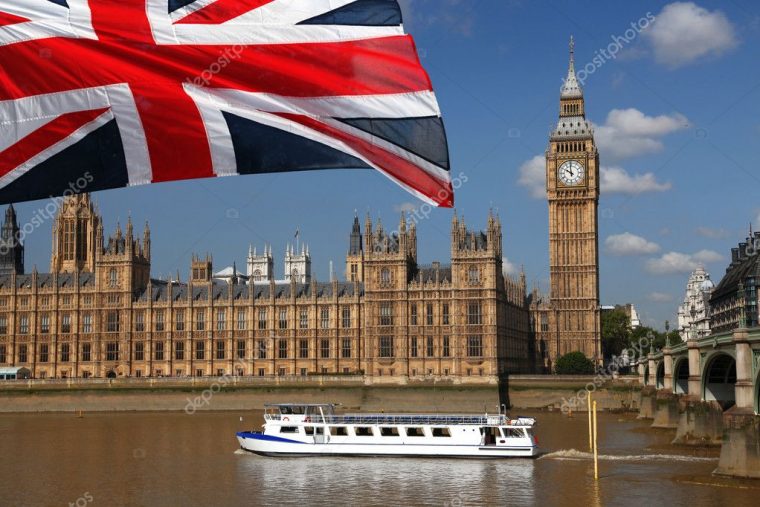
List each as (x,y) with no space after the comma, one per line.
(231,393)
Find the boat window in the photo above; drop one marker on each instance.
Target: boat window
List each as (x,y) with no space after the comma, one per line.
(490,434)
(415,432)
(363,431)
(389,431)
(513,433)
(309,430)
(339,431)
(441,432)
(288,429)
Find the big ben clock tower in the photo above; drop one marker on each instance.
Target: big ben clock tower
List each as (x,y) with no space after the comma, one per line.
(572,189)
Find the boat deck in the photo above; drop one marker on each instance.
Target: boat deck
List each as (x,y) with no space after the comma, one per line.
(407,419)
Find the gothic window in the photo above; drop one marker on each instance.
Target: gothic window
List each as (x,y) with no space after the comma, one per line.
(386,314)
(112,278)
(45,323)
(446,352)
(386,346)
(86,352)
(3,325)
(303,319)
(429,314)
(23,327)
(429,346)
(385,275)
(65,353)
(112,322)
(241,349)
(445,314)
(68,240)
(346,317)
(200,350)
(413,347)
(474,316)
(44,353)
(22,353)
(324,318)
(241,320)
(139,351)
(220,349)
(413,314)
(140,321)
(262,318)
(475,346)
(112,351)
(282,352)
(179,318)
(324,348)
(303,349)
(3,354)
(473,275)
(200,323)
(66,323)
(220,319)
(159,316)
(346,349)
(354,272)
(262,349)
(283,321)
(257,276)
(81,239)
(179,351)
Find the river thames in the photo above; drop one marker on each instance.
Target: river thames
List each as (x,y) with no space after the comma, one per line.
(175,459)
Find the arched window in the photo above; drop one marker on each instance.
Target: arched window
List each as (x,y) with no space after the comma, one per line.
(473,275)
(257,275)
(112,278)
(385,275)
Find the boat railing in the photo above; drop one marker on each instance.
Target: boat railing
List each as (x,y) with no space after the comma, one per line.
(421,419)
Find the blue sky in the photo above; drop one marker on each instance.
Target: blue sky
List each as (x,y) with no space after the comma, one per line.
(677,116)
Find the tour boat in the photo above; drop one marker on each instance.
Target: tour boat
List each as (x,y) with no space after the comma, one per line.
(302,429)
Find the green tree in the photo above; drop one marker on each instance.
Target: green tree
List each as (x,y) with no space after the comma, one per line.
(616,332)
(574,363)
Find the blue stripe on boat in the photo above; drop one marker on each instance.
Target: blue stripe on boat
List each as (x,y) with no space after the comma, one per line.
(261,436)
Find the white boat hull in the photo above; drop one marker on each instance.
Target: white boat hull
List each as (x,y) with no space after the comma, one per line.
(267,445)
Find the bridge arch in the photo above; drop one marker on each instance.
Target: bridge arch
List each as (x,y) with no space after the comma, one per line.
(660,375)
(719,379)
(681,376)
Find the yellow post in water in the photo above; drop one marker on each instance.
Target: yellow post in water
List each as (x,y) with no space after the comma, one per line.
(588,409)
(596,448)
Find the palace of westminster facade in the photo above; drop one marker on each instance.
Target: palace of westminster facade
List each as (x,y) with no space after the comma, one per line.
(98,312)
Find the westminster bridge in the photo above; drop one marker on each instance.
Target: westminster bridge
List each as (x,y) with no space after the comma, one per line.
(708,389)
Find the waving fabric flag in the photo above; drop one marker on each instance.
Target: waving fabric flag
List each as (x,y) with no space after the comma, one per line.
(110,93)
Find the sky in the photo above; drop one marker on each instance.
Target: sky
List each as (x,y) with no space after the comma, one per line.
(673,90)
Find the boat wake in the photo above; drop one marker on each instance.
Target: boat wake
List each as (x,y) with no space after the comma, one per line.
(573,454)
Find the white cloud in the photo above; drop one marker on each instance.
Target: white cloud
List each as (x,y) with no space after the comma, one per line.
(508,267)
(628,133)
(709,232)
(404,207)
(629,244)
(677,262)
(533,176)
(616,180)
(684,33)
(660,297)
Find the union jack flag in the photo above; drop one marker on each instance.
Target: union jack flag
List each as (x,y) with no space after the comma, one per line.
(133,92)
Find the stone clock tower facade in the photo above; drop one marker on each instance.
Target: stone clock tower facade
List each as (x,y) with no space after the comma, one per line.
(572,188)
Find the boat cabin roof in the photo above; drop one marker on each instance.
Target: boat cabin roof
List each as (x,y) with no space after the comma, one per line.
(278,405)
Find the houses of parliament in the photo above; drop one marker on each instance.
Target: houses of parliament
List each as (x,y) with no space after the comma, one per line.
(99,313)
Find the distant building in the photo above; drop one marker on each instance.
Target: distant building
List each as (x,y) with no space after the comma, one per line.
(694,312)
(733,303)
(629,310)
(11,248)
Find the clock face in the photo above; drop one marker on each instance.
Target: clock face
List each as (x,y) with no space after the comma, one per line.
(571,173)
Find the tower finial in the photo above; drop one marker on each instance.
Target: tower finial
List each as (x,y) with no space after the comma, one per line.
(572,51)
